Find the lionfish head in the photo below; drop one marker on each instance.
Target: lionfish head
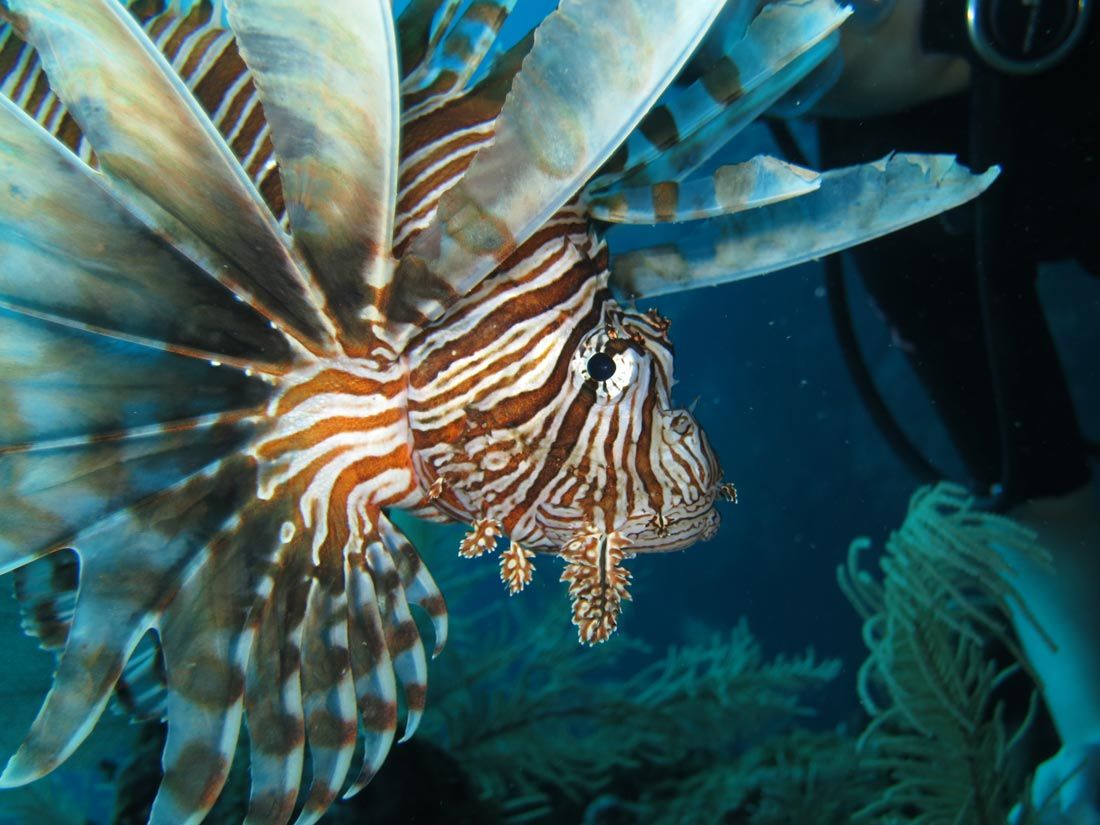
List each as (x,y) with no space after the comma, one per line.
(648,476)
(574,448)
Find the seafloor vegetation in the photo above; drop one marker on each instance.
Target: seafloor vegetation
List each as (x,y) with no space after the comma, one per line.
(525,726)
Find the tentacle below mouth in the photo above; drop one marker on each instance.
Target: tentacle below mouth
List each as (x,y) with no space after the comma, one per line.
(597,582)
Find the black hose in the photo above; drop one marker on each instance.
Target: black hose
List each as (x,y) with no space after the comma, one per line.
(850,351)
(864,382)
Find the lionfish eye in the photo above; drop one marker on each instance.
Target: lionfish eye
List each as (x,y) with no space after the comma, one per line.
(600,366)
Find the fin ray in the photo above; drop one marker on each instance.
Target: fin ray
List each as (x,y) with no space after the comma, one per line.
(334,120)
(587,102)
(70,249)
(131,566)
(761,181)
(851,206)
(164,157)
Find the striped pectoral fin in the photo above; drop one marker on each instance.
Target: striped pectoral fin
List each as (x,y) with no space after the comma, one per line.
(420,587)
(334,119)
(328,689)
(851,206)
(737,188)
(406,648)
(69,249)
(375,685)
(132,567)
(206,645)
(59,382)
(273,686)
(165,159)
(593,71)
(53,491)
(781,46)
(420,27)
(46,592)
(460,51)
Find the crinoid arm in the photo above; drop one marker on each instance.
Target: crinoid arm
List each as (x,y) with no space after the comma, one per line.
(852,205)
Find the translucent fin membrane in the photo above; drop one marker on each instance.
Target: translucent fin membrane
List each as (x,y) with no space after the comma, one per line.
(420,28)
(165,159)
(132,565)
(334,118)
(783,43)
(591,75)
(749,185)
(851,206)
(459,52)
(110,273)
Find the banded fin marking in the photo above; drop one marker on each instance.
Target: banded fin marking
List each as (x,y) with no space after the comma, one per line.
(273,688)
(403,640)
(334,121)
(165,159)
(375,684)
(206,648)
(131,567)
(52,494)
(328,691)
(783,43)
(591,74)
(420,27)
(46,592)
(758,182)
(60,384)
(70,249)
(420,587)
(460,51)
(851,206)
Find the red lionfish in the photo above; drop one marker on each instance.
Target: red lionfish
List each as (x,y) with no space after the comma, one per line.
(273,271)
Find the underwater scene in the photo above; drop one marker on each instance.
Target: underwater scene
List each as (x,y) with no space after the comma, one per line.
(607,412)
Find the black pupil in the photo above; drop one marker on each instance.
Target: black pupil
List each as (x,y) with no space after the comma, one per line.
(601,366)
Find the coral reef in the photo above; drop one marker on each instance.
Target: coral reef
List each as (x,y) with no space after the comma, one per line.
(932,683)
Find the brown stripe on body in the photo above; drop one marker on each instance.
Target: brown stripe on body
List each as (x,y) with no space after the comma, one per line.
(556,455)
(336,381)
(443,146)
(195,20)
(521,308)
(643,463)
(520,408)
(199,50)
(608,497)
(328,428)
